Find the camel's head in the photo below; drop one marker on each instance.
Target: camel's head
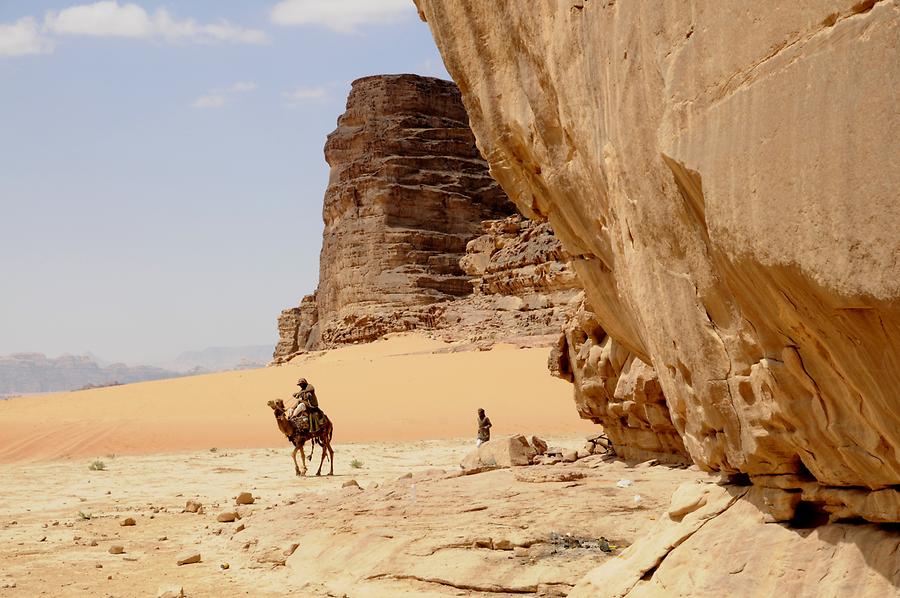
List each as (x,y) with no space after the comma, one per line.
(277,406)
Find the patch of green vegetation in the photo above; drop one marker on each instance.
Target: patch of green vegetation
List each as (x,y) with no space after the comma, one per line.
(85,516)
(97,466)
(356,464)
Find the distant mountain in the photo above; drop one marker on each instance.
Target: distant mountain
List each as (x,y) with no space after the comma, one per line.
(217,359)
(24,373)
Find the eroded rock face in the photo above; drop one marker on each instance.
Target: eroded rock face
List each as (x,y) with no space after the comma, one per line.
(614,388)
(298,329)
(418,236)
(731,207)
(407,191)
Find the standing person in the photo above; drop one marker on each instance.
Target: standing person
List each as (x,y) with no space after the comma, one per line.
(484,428)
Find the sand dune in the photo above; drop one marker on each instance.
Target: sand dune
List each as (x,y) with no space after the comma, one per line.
(408,387)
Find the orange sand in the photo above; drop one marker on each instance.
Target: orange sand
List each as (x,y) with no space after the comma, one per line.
(401,389)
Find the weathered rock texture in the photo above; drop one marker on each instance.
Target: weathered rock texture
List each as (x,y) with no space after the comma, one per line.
(407,191)
(418,236)
(723,175)
(613,387)
(298,328)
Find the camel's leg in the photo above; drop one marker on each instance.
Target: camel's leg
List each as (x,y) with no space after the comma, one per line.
(302,460)
(322,460)
(330,458)
(294,457)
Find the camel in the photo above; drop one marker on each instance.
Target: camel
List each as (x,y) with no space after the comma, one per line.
(299,437)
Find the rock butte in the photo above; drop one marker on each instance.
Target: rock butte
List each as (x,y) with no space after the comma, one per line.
(719,173)
(409,197)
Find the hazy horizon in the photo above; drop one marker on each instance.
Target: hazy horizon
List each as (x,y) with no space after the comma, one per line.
(161,168)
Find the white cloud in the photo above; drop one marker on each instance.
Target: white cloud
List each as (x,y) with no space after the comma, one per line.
(216,98)
(111,19)
(343,16)
(304,94)
(209,101)
(23,37)
(242,86)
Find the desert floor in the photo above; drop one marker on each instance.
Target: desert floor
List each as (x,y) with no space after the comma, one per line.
(408,387)
(404,410)
(413,526)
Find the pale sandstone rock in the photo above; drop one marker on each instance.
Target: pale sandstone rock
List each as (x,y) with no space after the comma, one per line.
(116,549)
(170,592)
(500,452)
(192,506)
(731,206)
(188,558)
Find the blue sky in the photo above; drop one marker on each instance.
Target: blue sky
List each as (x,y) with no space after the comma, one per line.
(161,167)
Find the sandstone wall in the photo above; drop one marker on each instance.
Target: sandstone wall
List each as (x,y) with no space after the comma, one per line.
(723,175)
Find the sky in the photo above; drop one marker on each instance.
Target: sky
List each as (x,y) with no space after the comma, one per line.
(161,166)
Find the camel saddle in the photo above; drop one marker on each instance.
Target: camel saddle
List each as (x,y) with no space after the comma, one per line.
(309,420)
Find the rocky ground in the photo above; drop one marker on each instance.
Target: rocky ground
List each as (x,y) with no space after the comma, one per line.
(405,522)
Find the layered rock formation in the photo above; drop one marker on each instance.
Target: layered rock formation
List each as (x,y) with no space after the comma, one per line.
(407,191)
(418,236)
(730,208)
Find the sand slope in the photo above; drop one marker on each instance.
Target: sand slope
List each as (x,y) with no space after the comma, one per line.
(408,387)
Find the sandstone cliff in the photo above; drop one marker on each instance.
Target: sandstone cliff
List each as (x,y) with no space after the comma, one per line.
(722,175)
(418,236)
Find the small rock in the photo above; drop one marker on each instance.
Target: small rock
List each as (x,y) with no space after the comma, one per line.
(239,528)
(406,476)
(350,483)
(93,542)
(539,445)
(98,566)
(116,549)
(225,566)
(192,506)
(189,558)
(130,558)
(290,549)
(201,511)
(244,498)
(623,483)
(503,545)
(170,592)
(570,456)
(227,517)
(43,539)
(162,538)
(127,522)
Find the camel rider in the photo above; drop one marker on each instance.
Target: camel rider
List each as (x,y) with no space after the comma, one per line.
(308,403)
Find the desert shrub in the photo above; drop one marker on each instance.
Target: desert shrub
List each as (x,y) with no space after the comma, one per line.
(356,464)
(97,466)
(84,516)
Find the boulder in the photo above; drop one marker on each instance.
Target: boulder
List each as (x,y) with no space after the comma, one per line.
(244,498)
(501,452)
